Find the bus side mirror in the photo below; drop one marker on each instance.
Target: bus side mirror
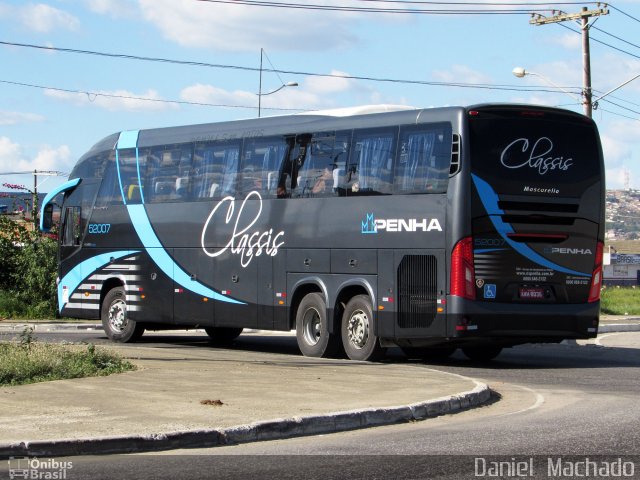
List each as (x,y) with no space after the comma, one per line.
(47,217)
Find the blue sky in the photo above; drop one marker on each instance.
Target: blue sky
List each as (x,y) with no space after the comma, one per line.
(50,129)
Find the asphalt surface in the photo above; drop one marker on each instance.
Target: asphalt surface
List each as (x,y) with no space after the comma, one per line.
(185,397)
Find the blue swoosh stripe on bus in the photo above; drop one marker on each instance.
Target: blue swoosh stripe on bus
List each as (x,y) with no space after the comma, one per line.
(488,250)
(79,273)
(163,260)
(489,199)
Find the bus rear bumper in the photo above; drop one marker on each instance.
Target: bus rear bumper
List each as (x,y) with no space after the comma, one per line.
(526,322)
(478,323)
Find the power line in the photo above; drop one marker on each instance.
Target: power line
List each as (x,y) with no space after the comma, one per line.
(439,11)
(618,114)
(624,13)
(601,42)
(505,87)
(614,36)
(90,94)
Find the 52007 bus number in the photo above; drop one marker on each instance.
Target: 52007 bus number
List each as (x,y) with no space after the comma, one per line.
(99,228)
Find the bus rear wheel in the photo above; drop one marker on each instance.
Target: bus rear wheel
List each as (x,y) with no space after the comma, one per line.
(115,319)
(223,334)
(360,343)
(312,328)
(482,354)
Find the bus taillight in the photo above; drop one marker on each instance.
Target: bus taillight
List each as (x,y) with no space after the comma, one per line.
(596,277)
(462,272)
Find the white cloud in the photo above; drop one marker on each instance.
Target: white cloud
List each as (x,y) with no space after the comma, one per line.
(14,118)
(53,158)
(461,74)
(336,83)
(10,153)
(570,41)
(14,159)
(312,94)
(117,100)
(245,28)
(113,8)
(44,18)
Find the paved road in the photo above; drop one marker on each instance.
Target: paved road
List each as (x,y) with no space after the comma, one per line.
(556,400)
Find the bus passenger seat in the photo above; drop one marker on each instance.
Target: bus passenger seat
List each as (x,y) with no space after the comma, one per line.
(133,193)
(164,188)
(212,190)
(182,185)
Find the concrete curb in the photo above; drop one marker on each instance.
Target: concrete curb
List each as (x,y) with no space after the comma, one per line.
(48,327)
(258,431)
(619,327)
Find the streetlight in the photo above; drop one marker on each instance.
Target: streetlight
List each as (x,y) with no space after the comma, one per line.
(521,72)
(587,100)
(260,94)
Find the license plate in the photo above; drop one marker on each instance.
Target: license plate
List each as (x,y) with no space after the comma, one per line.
(532,293)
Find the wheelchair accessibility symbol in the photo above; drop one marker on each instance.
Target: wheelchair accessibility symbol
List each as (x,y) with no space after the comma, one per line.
(490,290)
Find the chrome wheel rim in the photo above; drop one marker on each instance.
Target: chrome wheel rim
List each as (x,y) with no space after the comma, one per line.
(118,315)
(311,326)
(358,329)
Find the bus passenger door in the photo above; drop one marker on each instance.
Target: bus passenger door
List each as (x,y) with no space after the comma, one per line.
(190,308)
(70,241)
(238,283)
(266,296)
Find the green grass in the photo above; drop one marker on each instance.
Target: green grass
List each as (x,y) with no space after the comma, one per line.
(620,301)
(30,361)
(13,307)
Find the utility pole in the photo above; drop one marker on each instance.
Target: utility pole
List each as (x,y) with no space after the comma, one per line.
(583,17)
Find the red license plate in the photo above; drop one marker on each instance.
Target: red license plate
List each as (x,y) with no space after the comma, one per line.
(532,293)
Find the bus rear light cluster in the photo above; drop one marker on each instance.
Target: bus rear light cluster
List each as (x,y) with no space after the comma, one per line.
(462,273)
(596,276)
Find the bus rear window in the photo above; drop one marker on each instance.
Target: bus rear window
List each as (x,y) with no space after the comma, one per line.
(534,154)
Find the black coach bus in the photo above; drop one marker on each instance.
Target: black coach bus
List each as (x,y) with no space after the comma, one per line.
(429,229)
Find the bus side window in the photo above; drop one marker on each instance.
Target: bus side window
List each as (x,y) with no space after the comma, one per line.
(261,165)
(323,171)
(167,177)
(109,192)
(71,227)
(423,159)
(370,168)
(214,170)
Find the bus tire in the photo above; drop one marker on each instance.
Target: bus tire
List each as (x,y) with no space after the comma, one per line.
(223,334)
(429,353)
(358,338)
(312,328)
(115,320)
(482,354)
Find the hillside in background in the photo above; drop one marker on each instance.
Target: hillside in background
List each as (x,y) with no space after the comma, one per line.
(623,216)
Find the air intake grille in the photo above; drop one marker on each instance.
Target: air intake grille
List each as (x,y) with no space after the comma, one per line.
(455,155)
(417,291)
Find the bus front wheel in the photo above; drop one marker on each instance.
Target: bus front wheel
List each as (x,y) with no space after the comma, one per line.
(115,320)
(360,343)
(312,328)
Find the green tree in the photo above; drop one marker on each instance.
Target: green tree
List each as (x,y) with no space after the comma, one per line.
(28,266)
